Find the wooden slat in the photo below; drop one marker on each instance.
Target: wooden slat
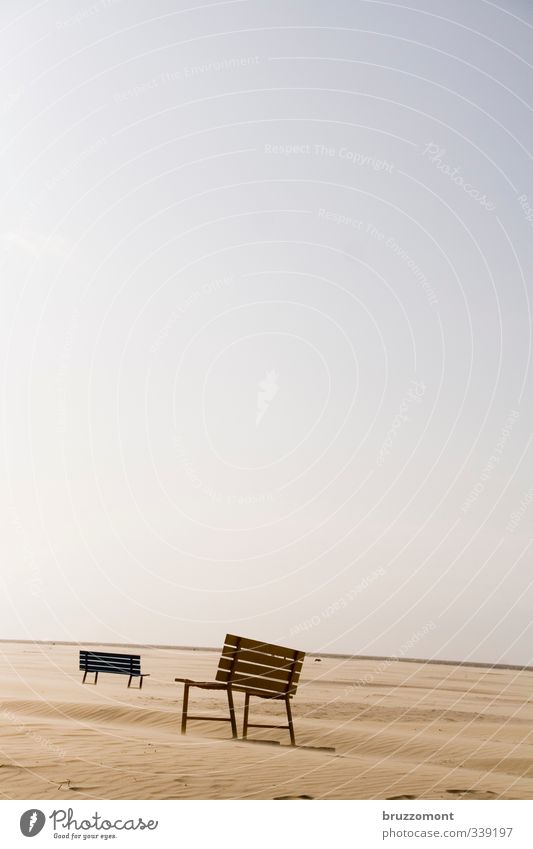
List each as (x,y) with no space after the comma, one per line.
(295,675)
(263,694)
(262,658)
(264,684)
(257,645)
(231,640)
(287,674)
(103,663)
(225,676)
(242,668)
(110,655)
(109,668)
(284,676)
(121,660)
(279,651)
(298,667)
(103,666)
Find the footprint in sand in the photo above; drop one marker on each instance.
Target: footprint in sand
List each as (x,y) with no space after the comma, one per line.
(406,796)
(277,798)
(471,792)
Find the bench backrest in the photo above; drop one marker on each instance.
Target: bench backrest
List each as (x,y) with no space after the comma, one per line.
(261,668)
(103,661)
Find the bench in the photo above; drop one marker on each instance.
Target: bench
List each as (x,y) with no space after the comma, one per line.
(118,664)
(257,669)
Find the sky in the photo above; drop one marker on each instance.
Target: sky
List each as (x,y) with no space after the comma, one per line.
(265,324)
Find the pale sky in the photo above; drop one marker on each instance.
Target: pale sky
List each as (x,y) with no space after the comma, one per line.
(265,324)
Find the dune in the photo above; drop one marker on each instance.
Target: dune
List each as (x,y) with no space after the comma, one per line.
(365,730)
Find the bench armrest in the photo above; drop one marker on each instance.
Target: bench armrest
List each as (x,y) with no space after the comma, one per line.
(207,685)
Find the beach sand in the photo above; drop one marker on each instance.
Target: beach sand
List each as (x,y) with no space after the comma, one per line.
(399,730)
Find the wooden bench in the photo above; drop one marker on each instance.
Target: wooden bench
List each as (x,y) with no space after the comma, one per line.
(256,669)
(118,664)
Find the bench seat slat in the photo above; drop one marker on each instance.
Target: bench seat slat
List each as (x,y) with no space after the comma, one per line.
(109,661)
(102,667)
(114,671)
(102,664)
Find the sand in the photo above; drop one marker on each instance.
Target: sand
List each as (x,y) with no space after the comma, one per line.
(399,730)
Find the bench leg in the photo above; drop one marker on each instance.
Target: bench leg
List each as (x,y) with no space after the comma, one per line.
(141,679)
(246,712)
(289,719)
(85,677)
(233,721)
(129,680)
(184,709)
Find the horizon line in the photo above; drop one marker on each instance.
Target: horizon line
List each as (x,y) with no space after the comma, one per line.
(388,658)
